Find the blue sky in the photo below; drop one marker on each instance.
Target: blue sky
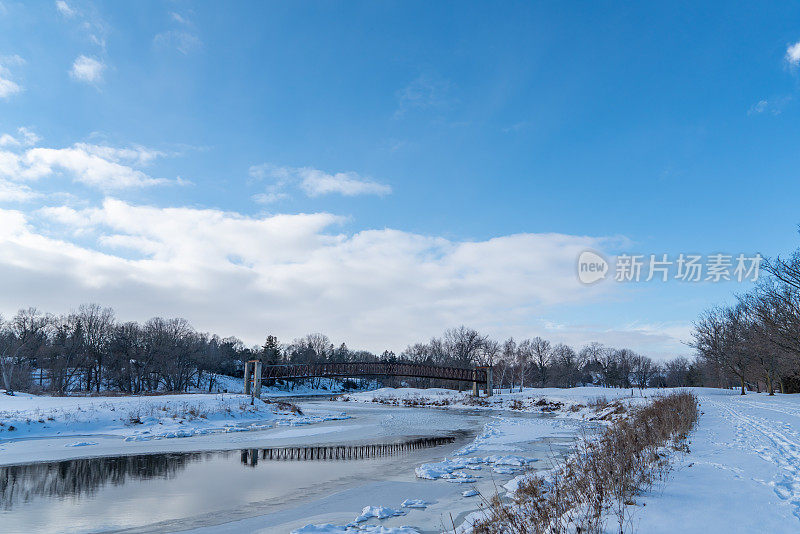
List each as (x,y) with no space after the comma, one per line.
(372,169)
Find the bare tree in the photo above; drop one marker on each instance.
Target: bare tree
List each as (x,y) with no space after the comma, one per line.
(524,357)
(568,364)
(489,352)
(463,345)
(20,340)
(720,337)
(509,359)
(96,323)
(541,354)
(643,370)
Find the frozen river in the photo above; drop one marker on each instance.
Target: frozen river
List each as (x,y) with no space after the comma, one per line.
(228,483)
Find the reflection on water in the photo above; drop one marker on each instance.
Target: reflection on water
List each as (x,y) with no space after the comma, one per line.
(341,452)
(21,483)
(85,477)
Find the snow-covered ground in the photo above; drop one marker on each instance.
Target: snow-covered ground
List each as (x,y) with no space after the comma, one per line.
(742,473)
(140,418)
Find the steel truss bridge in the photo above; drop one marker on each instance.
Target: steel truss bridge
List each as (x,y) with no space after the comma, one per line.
(476,375)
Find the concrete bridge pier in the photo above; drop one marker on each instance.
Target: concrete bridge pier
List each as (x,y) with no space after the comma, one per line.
(252,378)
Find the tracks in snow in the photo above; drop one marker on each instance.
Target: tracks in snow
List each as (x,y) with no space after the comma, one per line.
(777,443)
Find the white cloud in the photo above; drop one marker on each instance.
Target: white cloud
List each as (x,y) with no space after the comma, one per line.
(287,274)
(8,87)
(793,54)
(85,167)
(14,192)
(8,140)
(87,69)
(102,167)
(64,8)
(315,182)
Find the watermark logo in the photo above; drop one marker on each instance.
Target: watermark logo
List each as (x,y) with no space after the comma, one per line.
(592,267)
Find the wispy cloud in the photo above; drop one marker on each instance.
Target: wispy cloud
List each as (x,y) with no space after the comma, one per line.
(87,69)
(9,87)
(774,106)
(269,197)
(426,91)
(65,9)
(180,19)
(86,20)
(24,137)
(314,182)
(183,39)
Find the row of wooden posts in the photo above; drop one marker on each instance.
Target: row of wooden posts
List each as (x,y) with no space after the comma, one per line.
(340,452)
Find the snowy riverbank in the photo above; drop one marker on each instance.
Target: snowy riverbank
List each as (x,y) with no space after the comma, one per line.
(583,403)
(141,418)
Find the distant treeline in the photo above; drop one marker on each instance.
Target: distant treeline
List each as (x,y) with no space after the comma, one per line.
(88,350)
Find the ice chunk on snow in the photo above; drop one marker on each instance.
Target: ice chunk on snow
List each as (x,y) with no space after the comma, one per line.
(469,493)
(518,461)
(379,512)
(81,444)
(503,470)
(414,503)
(445,469)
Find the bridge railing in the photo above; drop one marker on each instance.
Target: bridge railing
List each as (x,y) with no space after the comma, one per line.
(348,369)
